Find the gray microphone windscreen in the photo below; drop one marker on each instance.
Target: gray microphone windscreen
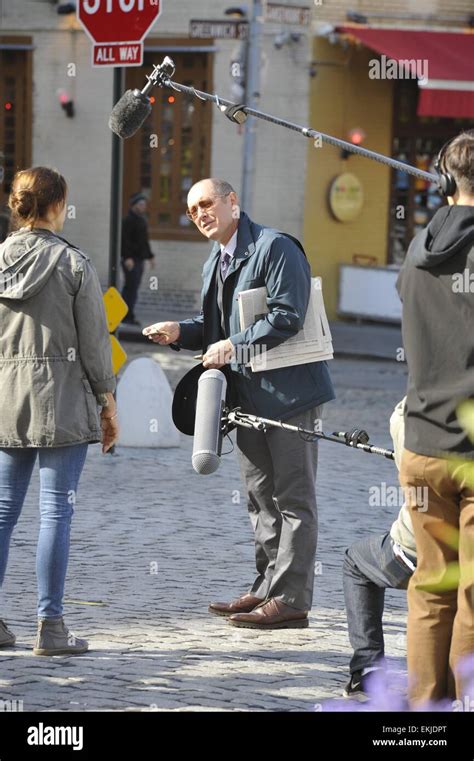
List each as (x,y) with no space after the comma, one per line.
(129,113)
(211,394)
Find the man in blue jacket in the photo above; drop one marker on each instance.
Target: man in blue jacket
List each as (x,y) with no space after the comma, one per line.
(278,467)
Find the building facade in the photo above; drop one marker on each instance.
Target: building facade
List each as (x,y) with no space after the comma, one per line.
(317,73)
(45,56)
(355,91)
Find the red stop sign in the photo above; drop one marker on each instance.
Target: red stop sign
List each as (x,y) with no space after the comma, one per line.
(112,21)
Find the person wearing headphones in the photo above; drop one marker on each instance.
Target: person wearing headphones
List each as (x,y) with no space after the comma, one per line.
(436,285)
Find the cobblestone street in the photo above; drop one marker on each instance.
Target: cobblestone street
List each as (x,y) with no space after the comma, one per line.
(153,543)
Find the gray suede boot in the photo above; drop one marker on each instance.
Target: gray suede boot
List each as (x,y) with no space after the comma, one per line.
(54,638)
(7,638)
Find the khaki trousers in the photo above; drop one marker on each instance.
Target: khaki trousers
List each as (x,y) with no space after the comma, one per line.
(441,591)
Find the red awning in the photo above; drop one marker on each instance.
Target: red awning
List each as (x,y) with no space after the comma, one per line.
(442,61)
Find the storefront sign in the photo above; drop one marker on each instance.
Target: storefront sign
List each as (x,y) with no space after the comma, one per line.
(346,197)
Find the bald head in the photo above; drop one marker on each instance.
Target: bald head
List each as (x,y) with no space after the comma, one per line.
(214,206)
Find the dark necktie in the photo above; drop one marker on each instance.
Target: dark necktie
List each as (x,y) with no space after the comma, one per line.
(225,261)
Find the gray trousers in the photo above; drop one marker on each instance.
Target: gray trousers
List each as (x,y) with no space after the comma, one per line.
(279,471)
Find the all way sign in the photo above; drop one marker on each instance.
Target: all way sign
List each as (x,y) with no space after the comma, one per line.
(118,29)
(120,54)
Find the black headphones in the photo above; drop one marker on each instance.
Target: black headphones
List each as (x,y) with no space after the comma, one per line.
(446,181)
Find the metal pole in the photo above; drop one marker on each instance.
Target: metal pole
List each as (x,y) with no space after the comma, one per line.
(260,424)
(253,95)
(305,131)
(116,188)
(116,184)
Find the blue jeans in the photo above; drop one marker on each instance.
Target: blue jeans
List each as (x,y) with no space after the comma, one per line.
(60,469)
(370,566)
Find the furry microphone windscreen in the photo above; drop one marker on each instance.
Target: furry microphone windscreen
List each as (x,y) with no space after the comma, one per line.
(211,396)
(129,113)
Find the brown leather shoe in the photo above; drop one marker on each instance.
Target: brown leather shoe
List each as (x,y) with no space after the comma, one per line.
(271,614)
(243,604)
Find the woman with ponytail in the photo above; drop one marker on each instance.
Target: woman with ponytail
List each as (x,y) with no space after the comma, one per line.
(55,372)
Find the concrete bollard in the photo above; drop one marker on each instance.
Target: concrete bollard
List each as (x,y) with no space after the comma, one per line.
(144,400)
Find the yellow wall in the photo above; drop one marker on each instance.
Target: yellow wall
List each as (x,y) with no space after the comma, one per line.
(343,97)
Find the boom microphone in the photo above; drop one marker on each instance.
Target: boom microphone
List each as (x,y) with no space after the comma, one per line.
(210,403)
(129,113)
(133,108)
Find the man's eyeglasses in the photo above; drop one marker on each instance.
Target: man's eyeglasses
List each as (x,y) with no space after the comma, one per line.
(204,205)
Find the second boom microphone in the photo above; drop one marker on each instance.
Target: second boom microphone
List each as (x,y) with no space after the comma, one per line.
(129,113)
(133,108)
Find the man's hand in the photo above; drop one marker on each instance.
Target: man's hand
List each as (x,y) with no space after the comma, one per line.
(151,264)
(218,354)
(129,264)
(163,333)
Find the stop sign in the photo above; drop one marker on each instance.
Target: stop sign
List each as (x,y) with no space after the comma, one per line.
(112,24)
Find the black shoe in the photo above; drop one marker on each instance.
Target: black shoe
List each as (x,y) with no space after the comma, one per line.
(357,686)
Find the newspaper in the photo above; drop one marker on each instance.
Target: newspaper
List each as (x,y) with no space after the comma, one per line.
(313,343)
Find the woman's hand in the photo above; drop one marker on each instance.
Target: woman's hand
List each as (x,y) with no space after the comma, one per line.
(109,424)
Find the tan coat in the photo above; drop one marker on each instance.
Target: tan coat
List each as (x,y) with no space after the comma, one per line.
(55,351)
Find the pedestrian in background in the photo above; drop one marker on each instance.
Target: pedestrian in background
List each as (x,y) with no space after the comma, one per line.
(55,369)
(135,251)
(4,223)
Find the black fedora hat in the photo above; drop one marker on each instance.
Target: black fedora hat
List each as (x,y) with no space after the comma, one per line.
(185,398)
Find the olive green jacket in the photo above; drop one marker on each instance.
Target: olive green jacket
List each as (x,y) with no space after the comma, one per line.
(55,354)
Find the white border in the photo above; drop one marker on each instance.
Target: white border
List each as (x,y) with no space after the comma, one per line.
(116,65)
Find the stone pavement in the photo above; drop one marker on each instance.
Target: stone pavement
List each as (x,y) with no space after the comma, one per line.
(368,340)
(153,543)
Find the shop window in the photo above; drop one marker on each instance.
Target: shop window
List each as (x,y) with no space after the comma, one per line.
(416,141)
(171,151)
(15,119)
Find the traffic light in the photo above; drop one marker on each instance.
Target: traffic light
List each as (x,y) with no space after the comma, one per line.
(67,103)
(356,136)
